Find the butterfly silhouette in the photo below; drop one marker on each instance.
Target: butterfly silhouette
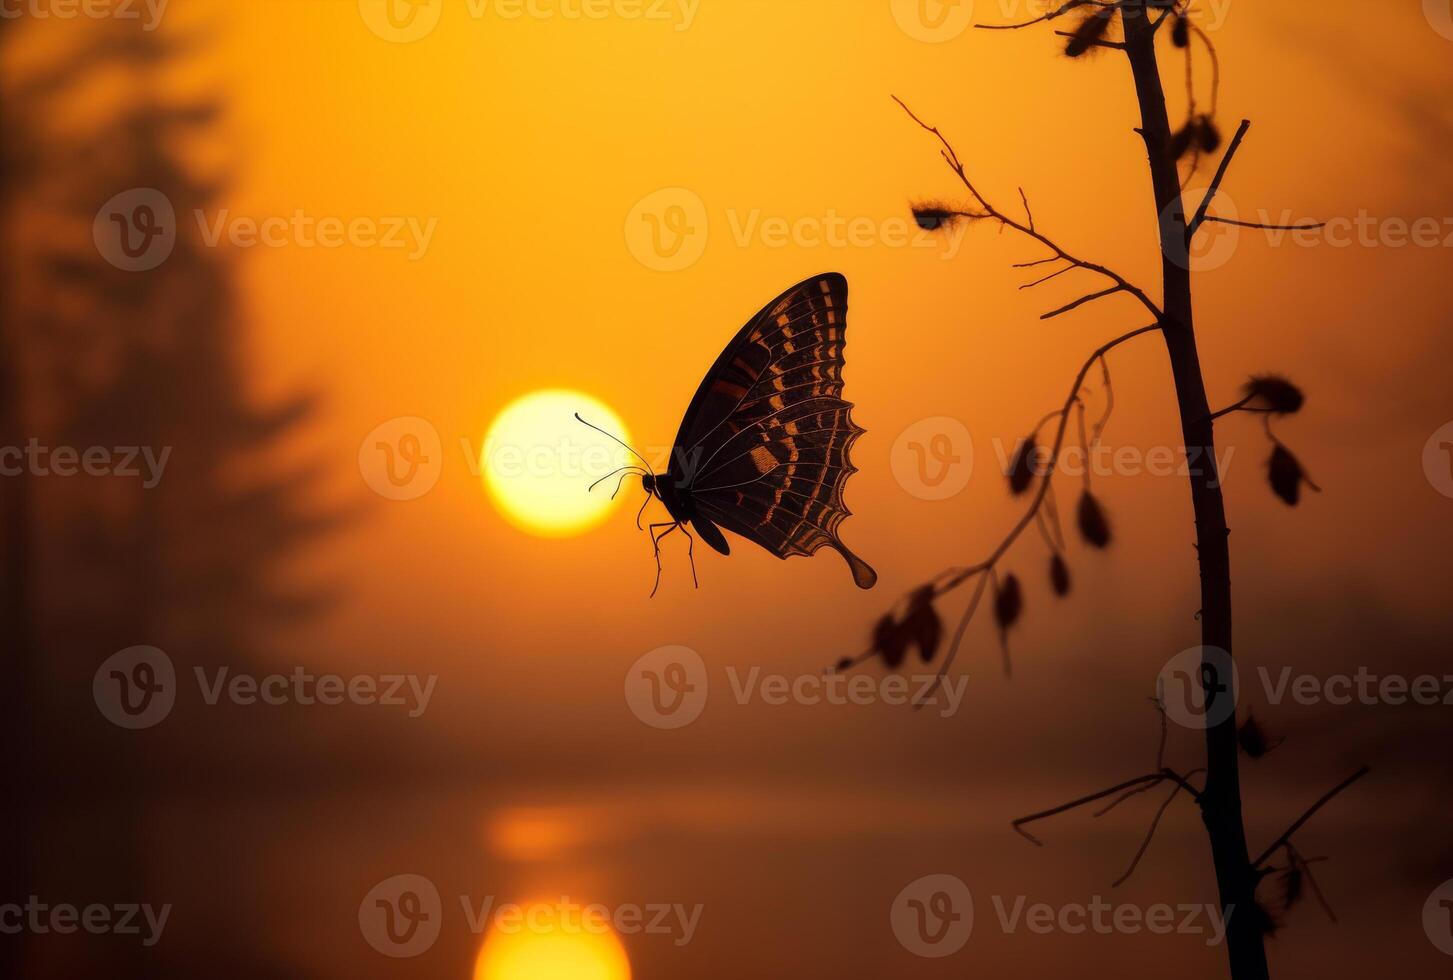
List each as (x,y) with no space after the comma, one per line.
(763,450)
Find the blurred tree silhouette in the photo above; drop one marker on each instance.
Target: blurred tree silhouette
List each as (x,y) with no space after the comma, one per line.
(97,356)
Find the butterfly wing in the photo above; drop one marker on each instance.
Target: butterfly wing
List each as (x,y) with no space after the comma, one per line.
(764,449)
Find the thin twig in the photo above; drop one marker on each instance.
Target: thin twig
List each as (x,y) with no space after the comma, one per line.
(989,211)
(945,582)
(1149,836)
(1271,226)
(1226,159)
(1311,811)
(1018,825)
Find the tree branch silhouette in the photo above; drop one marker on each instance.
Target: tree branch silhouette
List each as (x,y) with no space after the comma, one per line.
(1172,157)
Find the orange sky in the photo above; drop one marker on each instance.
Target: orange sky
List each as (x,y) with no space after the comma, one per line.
(524,145)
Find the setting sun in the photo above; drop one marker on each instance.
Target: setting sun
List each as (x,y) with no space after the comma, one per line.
(558,954)
(538,462)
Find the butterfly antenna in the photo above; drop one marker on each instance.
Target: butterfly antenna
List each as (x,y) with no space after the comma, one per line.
(622,481)
(615,439)
(625,469)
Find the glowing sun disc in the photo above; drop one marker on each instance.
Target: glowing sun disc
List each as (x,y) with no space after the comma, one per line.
(538,461)
(556,954)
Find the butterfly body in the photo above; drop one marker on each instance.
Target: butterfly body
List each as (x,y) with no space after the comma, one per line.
(763,450)
(676,498)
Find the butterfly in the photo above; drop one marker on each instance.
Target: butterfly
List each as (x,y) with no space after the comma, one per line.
(763,450)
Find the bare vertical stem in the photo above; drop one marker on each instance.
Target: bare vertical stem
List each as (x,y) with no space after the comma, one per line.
(1221,799)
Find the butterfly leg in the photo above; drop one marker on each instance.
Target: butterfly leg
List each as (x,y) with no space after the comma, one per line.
(656,547)
(691,556)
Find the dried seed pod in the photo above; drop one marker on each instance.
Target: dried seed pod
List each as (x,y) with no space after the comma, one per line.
(1181,140)
(1286,475)
(922,626)
(1274,394)
(1253,738)
(934,216)
(1008,605)
(1208,135)
(1091,29)
(1094,527)
(1059,575)
(1180,34)
(890,642)
(1022,466)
